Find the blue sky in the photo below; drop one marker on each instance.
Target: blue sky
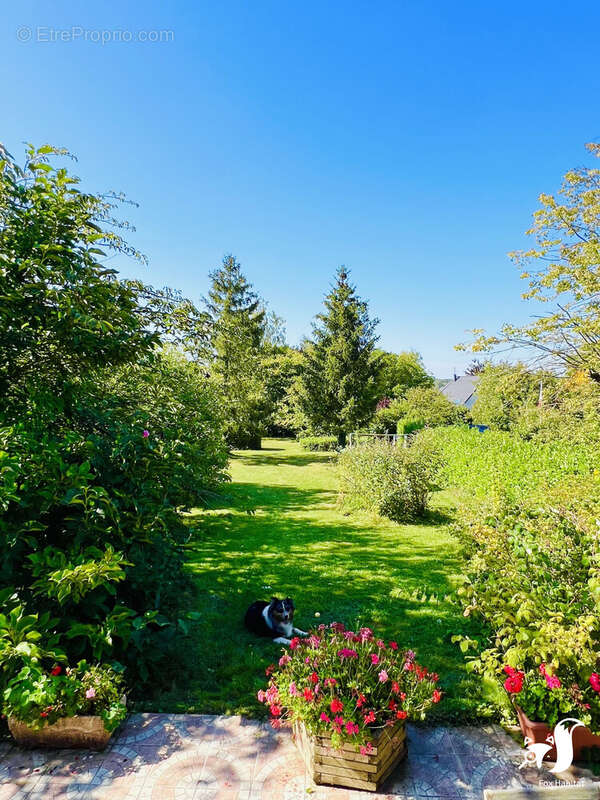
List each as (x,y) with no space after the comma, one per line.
(408,141)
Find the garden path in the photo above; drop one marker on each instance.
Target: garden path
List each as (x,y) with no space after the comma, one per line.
(201,757)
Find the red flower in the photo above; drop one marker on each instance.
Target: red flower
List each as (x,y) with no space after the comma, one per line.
(308,695)
(336,705)
(370,717)
(510,670)
(56,670)
(595,681)
(436,696)
(276,710)
(514,683)
(269,669)
(392,705)
(295,642)
(43,713)
(395,687)
(314,678)
(401,714)
(324,717)
(361,700)
(393,646)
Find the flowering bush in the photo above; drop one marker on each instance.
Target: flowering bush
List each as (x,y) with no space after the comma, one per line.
(546,697)
(347,685)
(38,697)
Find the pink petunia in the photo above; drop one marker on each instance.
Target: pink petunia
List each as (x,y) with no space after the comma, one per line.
(383,676)
(90,694)
(374,658)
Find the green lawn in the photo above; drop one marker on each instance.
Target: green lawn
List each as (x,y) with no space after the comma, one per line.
(280,532)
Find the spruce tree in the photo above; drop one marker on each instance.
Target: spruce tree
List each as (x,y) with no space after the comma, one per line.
(338,387)
(237,331)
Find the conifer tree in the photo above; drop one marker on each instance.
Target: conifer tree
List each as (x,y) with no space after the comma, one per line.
(338,387)
(237,331)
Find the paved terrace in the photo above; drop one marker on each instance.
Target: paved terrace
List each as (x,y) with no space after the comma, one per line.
(198,757)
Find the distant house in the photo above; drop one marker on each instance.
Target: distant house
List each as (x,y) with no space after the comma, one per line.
(462,391)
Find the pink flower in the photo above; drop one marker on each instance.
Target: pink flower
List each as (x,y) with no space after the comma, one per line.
(393,646)
(90,694)
(374,658)
(261,696)
(368,748)
(324,717)
(365,634)
(294,689)
(285,659)
(346,652)
(145,434)
(351,728)
(552,682)
(380,643)
(383,676)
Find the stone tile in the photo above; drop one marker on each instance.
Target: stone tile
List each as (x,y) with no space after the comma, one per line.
(428,775)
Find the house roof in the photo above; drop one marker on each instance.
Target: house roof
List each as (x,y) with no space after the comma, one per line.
(462,390)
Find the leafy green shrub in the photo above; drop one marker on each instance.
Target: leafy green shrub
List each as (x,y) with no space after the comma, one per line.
(104,438)
(430,406)
(503,464)
(37,696)
(319,442)
(533,580)
(393,481)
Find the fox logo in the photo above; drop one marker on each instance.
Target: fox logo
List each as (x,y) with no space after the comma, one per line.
(561,738)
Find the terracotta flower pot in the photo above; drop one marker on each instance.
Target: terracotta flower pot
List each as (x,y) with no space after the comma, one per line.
(538,731)
(73,732)
(346,766)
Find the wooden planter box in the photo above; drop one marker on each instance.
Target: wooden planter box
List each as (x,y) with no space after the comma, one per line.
(347,767)
(582,738)
(72,732)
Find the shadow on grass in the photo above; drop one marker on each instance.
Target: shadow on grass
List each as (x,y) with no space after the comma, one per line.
(258,458)
(396,578)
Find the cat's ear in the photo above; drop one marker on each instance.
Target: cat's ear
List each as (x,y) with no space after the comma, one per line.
(274,600)
(290,603)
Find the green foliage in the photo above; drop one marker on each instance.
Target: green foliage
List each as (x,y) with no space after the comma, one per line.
(318,442)
(39,697)
(104,438)
(506,391)
(533,579)
(393,481)
(399,372)
(337,388)
(504,465)
(238,329)
(429,406)
(562,273)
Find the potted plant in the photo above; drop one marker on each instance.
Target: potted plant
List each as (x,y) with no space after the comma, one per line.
(64,707)
(544,695)
(348,696)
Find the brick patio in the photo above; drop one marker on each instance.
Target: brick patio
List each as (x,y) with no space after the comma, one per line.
(196,757)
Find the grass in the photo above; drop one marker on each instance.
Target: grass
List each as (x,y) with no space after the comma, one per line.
(279,532)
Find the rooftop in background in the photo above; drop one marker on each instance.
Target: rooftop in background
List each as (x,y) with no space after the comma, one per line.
(462,390)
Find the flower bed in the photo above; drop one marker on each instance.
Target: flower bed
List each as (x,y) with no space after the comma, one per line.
(541,699)
(72,707)
(344,691)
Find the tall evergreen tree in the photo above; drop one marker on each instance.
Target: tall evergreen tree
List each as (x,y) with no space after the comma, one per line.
(338,387)
(237,332)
